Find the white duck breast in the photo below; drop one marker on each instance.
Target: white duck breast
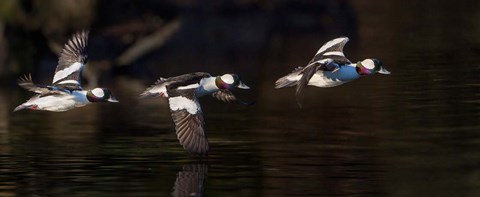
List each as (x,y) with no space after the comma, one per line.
(207,86)
(331,79)
(62,102)
(80,98)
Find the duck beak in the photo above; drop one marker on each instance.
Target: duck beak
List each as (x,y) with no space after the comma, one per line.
(384,71)
(112,100)
(242,86)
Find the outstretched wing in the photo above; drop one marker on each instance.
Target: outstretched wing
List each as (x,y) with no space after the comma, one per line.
(71,62)
(227,96)
(188,118)
(308,72)
(186,80)
(26,82)
(333,49)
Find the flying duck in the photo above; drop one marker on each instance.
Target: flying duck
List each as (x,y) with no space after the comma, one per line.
(66,92)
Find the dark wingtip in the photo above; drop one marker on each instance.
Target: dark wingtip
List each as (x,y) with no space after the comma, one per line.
(25,78)
(299,96)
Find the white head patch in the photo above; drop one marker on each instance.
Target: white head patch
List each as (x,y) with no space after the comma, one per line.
(368,64)
(227,78)
(180,102)
(98,92)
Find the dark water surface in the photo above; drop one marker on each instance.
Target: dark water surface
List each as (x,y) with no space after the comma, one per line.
(413,133)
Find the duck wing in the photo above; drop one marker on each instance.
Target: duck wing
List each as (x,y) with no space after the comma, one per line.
(185,80)
(307,74)
(71,62)
(188,118)
(26,82)
(333,50)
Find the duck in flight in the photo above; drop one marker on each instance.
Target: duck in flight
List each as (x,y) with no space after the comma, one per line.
(328,68)
(183,92)
(66,92)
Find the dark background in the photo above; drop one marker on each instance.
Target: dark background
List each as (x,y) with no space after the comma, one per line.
(411,133)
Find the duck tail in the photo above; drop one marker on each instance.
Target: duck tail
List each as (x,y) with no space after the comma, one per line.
(285,82)
(156,90)
(20,107)
(289,80)
(148,94)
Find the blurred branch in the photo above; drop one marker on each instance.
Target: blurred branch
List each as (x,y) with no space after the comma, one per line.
(148,43)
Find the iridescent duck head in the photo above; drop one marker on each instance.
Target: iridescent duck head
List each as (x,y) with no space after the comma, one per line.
(101,95)
(371,66)
(230,81)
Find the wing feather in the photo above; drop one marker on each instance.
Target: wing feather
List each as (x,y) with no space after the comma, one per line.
(186,79)
(333,49)
(308,72)
(189,124)
(73,58)
(26,82)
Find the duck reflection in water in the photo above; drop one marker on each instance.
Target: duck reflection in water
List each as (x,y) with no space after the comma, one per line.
(191,180)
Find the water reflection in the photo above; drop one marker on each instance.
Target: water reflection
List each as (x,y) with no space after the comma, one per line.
(190,180)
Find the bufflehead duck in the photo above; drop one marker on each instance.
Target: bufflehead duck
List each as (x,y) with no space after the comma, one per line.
(328,68)
(183,92)
(66,92)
